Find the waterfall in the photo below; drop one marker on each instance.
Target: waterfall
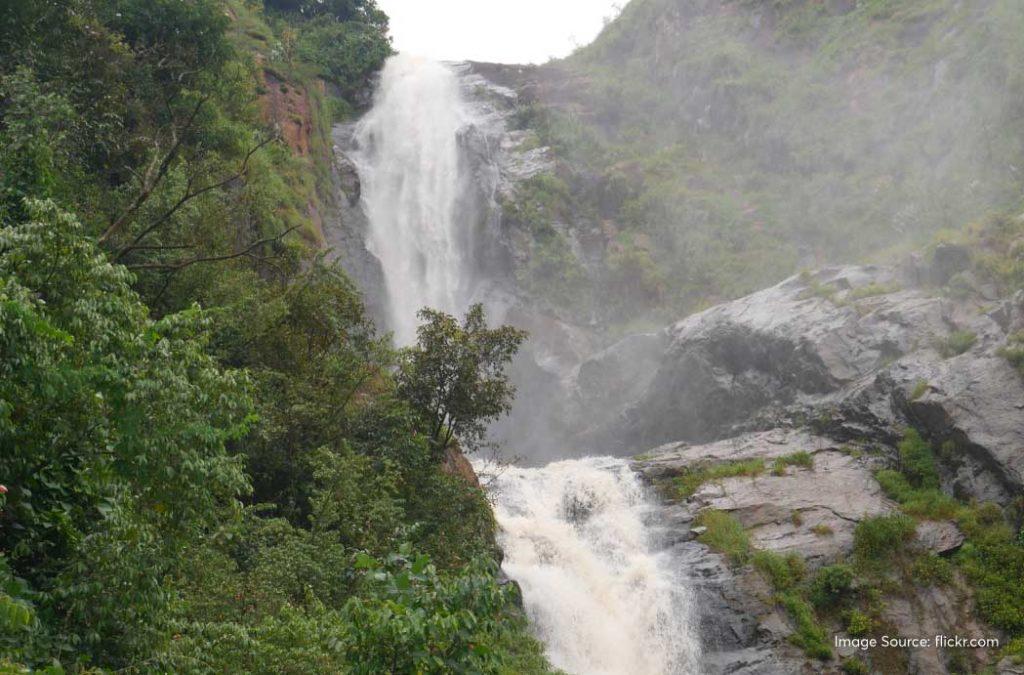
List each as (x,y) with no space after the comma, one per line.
(409,162)
(597,592)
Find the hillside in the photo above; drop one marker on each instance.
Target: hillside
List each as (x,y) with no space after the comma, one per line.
(708,148)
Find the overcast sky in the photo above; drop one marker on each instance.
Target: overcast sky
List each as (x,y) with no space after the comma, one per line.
(505,31)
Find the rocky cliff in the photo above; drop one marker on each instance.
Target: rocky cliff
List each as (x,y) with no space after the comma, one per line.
(779,409)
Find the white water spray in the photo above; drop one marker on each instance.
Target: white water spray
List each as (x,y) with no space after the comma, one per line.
(600,597)
(408,160)
(597,593)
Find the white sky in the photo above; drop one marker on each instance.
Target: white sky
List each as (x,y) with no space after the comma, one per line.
(504,31)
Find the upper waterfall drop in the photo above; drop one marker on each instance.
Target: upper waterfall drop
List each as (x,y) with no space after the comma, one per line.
(413,183)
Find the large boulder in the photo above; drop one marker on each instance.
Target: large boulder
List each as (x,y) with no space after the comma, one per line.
(846,351)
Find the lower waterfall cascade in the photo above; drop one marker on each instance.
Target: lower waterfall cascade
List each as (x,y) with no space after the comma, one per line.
(598,593)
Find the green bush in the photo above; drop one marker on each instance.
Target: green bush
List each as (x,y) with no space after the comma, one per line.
(930,569)
(917,461)
(879,538)
(855,666)
(992,559)
(831,585)
(858,623)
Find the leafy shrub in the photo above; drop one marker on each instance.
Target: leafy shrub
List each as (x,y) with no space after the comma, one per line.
(724,534)
(992,559)
(855,666)
(879,538)
(931,570)
(831,585)
(858,623)
(917,461)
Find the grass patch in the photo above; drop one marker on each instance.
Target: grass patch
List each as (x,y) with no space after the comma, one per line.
(823,530)
(810,636)
(956,343)
(802,459)
(926,504)
(871,290)
(688,482)
(816,289)
(724,534)
(919,390)
(782,572)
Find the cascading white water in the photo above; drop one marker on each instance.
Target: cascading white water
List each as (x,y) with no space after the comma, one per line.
(597,593)
(408,160)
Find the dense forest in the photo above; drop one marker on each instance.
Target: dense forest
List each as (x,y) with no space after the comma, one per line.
(210,460)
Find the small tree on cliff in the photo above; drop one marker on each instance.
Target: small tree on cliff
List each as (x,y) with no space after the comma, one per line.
(455,376)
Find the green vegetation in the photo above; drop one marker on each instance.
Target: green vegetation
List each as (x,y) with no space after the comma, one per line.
(858,623)
(878,539)
(809,636)
(210,462)
(991,559)
(920,389)
(692,477)
(822,530)
(782,572)
(724,534)
(956,343)
(855,666)
(455,376)
(870,291)
(831,585)
(722,157)
(1013,351)
(801,459)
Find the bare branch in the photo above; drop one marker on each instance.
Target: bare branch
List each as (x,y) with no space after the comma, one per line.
(151,182)
(182,264)
(188,196)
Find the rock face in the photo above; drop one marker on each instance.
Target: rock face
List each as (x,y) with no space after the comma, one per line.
(810,511)
(847,351)
(836,365)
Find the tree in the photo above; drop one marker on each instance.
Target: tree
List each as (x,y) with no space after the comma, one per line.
(455,378)
(113,441)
